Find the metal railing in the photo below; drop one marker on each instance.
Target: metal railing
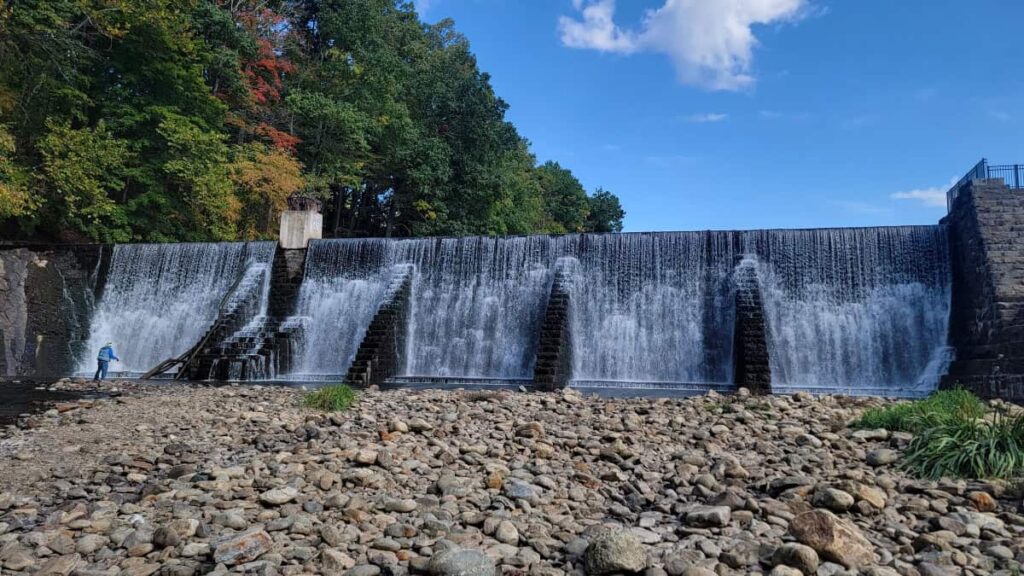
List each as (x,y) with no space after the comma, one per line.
(1011,174)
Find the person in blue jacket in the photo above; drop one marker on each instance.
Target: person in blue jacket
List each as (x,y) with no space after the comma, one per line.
(103,361)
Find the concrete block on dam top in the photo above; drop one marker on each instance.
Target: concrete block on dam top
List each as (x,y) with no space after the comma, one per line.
(298,227)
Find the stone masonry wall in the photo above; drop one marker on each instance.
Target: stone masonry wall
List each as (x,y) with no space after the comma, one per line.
(381,354)
(553,365)
(987,319)
(46,298)
(751,366)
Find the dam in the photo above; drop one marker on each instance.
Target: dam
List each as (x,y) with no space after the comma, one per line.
(852,311)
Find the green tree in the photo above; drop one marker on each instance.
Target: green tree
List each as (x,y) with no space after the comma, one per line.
(606,212)
(565,200)
(162,120)
(14,197)
(83,169)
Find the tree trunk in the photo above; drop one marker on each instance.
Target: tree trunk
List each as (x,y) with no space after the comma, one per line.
(338,201)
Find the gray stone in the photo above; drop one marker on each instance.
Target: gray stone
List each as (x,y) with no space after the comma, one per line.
(882,457)
(798,556)
(460,562)
(279,496)
(709,516)
(615,551)
(833,499)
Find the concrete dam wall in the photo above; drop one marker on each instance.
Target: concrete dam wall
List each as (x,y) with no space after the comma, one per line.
(864,310)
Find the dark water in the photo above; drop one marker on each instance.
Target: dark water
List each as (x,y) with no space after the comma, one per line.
(17,398)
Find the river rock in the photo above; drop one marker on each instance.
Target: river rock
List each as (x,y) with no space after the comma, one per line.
(615,551)
(882,457)
(461,562)
(279,496)
(798,556)
(834,538)
(243,548)
(833,499)
(709,516)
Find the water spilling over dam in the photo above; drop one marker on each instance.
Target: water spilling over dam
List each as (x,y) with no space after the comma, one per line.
(160,298)
(843,310)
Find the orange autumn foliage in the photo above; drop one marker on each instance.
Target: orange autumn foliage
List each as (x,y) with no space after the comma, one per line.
(264,178)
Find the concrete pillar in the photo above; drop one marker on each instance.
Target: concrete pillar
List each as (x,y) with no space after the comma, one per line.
(298,227)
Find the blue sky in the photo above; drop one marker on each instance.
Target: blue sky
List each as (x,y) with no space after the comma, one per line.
(735,114)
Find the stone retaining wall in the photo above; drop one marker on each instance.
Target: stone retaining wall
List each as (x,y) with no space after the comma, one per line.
(987,318)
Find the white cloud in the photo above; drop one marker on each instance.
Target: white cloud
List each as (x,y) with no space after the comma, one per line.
(597,29)
(421,6)
(706,118)
(711,42)
(934,197)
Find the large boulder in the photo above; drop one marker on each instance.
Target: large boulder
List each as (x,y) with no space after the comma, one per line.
(834,538)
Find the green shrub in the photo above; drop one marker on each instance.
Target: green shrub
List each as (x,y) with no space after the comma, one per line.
(942,406)
(969,448)
(331,398)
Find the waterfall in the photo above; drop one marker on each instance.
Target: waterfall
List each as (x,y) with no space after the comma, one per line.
(652,307)
(476,303)
(344,283)
(491,295)
(645,307)
(846,309)
(853,310)
(159,299)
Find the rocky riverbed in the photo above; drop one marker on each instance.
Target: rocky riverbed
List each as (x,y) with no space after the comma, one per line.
(174,480)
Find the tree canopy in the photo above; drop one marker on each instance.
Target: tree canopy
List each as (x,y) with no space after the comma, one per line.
(182,120)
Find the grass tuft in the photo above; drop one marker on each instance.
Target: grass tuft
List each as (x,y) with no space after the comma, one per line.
(939,408)
(955,435)
(991,447)
(331,398)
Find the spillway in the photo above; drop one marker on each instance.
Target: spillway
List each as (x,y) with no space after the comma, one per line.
(160,298)
(845,310)
(855,309)
(651,307)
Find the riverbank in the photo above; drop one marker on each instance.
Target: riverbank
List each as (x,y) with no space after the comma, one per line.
(172,479)
(22,397)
